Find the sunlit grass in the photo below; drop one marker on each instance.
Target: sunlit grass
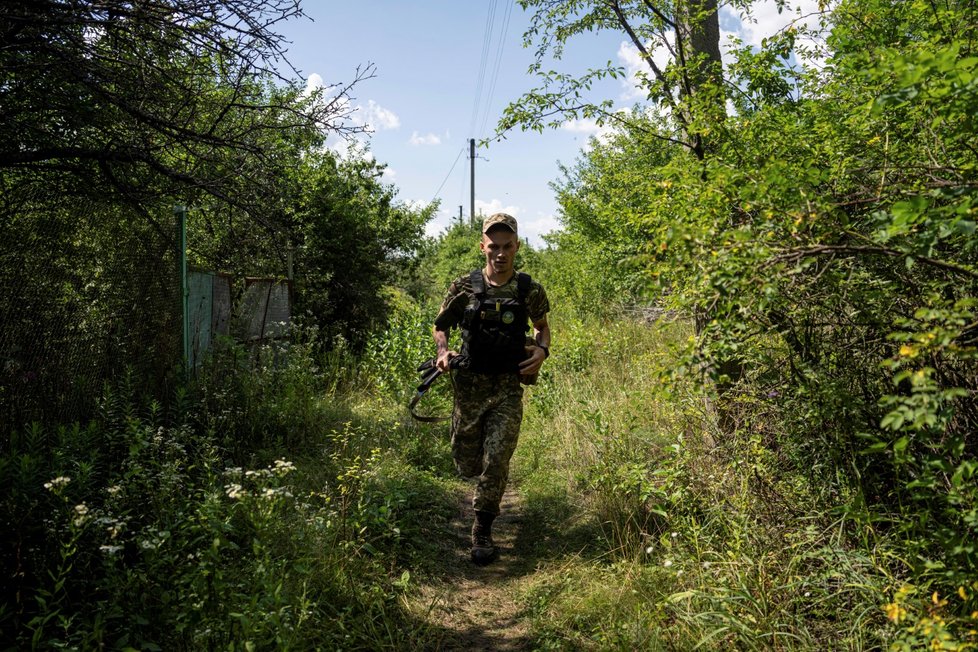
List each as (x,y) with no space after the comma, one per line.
(669,534)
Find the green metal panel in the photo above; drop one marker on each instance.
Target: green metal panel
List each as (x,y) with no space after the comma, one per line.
(201,304)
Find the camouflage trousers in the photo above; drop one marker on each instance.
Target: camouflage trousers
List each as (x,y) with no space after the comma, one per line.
(485,429)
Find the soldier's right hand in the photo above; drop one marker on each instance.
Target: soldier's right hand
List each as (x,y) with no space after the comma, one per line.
(444,360)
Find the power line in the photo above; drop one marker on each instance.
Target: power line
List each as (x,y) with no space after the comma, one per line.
(447,175)
(480,79)
(500,47)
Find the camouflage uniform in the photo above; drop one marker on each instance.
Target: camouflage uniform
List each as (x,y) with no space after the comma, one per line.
(488,407)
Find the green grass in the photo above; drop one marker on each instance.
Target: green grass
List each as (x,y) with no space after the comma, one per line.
(671,535)
(648,528)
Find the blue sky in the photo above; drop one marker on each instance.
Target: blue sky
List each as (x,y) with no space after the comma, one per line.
(425,100)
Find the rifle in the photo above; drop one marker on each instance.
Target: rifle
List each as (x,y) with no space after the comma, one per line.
(429,374)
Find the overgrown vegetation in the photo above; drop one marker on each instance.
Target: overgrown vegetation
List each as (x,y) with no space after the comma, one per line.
(821,242)
(756,431)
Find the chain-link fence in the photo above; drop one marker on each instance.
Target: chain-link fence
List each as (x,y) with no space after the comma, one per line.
(87,301)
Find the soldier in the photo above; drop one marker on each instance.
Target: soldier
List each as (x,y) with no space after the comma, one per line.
(493,307)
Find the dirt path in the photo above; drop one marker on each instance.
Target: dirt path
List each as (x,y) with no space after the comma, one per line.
(474,608)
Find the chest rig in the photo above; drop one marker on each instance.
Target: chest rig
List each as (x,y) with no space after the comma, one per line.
(494,328)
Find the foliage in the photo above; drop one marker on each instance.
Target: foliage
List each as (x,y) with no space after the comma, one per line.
(687,87)
(393,354)
(825,498)
(831,273)
(113,113)
(833,265)
(453,253)
(141,530)
(352,240)
(670,536)
(133,101)
(90,291)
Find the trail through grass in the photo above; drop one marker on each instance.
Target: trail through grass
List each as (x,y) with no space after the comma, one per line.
(469,607)
(630,524)
(475,608)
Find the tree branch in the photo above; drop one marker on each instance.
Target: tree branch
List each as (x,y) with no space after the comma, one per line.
(856,250)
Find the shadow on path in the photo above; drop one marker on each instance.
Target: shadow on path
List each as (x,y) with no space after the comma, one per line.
(471,608)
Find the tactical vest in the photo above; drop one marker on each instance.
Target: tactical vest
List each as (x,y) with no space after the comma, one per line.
(494,329)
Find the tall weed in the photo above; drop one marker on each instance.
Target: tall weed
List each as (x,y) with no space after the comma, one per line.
(708,540)
(265,513)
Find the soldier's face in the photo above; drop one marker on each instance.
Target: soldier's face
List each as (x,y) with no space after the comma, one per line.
(500,247)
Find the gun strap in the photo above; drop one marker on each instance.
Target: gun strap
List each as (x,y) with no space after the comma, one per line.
(421,417)
(429,379)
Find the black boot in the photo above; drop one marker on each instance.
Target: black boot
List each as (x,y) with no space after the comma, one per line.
(483,550)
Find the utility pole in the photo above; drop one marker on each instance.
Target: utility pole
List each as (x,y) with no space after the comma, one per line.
(460,215)
(472,162)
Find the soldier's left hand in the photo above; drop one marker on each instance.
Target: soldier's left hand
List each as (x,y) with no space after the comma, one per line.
(533,363)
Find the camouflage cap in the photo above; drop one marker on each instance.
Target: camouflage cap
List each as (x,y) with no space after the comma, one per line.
(505,219)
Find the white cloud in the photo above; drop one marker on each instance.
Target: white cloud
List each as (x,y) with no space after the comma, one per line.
(350,148)
(313,83)
(582,126)
(496,206)
(389,175)
(533,230)
(377,117)
(631,58)
(765,21)
(427,139)
(589,127)
(440,222)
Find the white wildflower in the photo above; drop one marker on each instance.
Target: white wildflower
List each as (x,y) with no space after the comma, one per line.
(283,467)
(81,512)
(234,491)
(113,490)
(110,550)
(58,483)
(667,563)
(280,491)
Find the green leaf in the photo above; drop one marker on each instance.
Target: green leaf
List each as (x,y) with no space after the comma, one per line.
(900,445)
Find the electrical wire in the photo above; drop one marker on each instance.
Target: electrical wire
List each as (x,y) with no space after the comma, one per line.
(448,175)
(500,47)
(483,60)
(487,47)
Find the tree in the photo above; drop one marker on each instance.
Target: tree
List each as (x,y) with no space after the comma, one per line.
(689,88)
(829,234)
(352,238)
(111,113)
(129,98)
